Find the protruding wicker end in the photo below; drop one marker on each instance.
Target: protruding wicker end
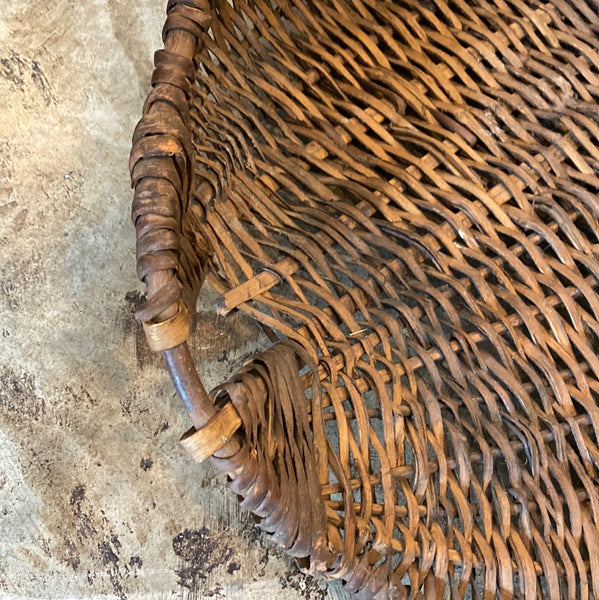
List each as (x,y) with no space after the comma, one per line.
(203,443)
(170,333)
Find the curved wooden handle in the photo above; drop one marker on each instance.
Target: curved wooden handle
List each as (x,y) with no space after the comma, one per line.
(162,174)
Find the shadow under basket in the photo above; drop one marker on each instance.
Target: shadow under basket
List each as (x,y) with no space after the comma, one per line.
(404,194)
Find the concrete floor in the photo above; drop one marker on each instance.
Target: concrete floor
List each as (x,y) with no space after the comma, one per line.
(97,499)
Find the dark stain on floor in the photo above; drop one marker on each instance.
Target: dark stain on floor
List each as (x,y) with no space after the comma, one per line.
(77,496)
(20,71)
(109,551)
(18,394)
(162,428)
(200,552)
(71,553)
(91,535)
(146,464)
(84,525)
(232,567)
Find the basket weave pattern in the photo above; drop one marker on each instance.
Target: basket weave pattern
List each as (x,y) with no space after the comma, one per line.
(404,194)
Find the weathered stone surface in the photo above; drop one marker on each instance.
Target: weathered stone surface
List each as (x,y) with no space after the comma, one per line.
(96,497)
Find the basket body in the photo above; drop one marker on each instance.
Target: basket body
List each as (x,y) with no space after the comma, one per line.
(405,195)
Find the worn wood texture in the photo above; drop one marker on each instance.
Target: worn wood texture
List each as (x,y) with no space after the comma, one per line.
(404,195)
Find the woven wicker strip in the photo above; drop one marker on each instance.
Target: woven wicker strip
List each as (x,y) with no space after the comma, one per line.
(404,193)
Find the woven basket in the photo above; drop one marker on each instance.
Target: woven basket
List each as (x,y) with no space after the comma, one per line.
(404,193)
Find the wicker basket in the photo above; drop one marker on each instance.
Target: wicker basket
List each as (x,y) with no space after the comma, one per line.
(404,193)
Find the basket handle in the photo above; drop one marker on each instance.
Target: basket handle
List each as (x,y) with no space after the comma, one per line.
(161,166)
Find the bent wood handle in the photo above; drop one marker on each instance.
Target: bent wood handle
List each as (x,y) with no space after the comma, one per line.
(161,166)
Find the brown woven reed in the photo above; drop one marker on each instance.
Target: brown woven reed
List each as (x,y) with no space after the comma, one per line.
(405,194)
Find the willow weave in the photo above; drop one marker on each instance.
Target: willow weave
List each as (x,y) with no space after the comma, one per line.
(404,194)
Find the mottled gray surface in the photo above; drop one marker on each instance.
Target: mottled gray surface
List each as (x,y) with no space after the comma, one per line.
(97,499)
